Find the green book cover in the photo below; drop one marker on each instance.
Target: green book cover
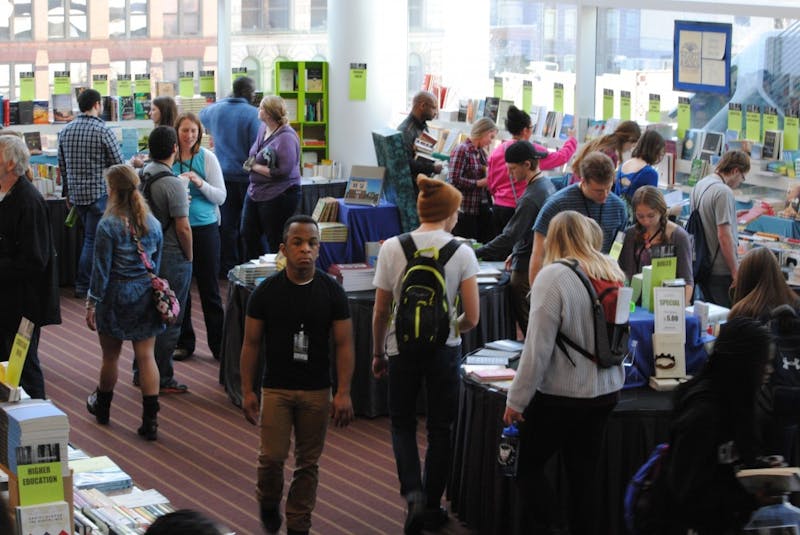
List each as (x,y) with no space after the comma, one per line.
(661,269)
(647,287)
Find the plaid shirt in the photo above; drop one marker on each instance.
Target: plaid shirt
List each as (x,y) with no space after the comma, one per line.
(86,148)
(467,166)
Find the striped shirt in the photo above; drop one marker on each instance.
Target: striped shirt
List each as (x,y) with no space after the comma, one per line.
(611,215)
(86,148)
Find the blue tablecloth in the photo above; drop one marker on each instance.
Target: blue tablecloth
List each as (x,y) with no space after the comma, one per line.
(782,226)
(367,223)
(642,327)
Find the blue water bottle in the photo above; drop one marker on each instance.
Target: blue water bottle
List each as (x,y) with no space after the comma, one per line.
(508,451)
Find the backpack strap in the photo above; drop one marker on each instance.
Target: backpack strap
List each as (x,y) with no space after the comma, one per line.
(447,252)
(147,183)
(409,248)
(562,340)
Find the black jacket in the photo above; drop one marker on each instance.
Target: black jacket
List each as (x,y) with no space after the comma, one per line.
(28,267)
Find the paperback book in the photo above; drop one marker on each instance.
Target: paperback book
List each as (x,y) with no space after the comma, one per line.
(44,519)
(364,185)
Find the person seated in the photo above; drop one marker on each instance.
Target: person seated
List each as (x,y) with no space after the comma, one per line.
(653,236)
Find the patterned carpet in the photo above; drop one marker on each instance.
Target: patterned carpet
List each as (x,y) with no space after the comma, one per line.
(205,455)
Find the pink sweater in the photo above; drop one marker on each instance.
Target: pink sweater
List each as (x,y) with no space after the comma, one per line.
(499,181)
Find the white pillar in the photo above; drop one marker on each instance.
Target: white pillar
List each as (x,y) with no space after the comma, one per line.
(375,33)
(223,69)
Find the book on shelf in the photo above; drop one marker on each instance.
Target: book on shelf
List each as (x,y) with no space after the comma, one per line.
(698,170)
(502,113)
(332,231)
(712,145)
(127,109)
(492,104)
(594,129)
(44,519)
(365,185)
(692,143)
(287,80)
(33,140)
(41,112)
(463,108)
(291,109)
(314,79)
(165,89)
(567,124)
(326,210)
(772,147)
(491,374)
(62,108)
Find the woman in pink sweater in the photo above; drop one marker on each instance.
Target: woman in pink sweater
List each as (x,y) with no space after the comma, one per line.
(504,191)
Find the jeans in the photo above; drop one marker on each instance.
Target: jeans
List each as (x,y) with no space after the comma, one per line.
(32,378)
(178,271)
(308,412)
(267,217)
(205,268)
(717,290)
(520,302)
(440,373)
(232,245)
(90,215)
(577,433)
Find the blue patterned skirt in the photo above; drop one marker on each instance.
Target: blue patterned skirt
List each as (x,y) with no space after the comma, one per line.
(127,312)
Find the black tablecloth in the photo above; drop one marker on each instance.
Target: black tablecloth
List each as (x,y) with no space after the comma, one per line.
(67,241)
(311,193)
(488,502)
(368,393)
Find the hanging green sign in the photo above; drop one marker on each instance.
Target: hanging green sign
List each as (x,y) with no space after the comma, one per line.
(625,105)
(735,116)
(791,129)
(558,97)
(207,82)
(753,123)
(100,84)
(608,104)
(498,87)
(770,120)
(142,84)
(61,83)
(358,81)
(527,95)
(654,108)
(27,86)
(684,116)
(238,72)
(186,84)
(124,85)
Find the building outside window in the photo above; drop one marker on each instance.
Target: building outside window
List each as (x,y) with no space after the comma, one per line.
(252,15)
(9,78)
(127,18)
(66,19)
(278,15)
(181,17)
(319,15)
(16,21)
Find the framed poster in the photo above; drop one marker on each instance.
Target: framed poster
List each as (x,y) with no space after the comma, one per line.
(702,57)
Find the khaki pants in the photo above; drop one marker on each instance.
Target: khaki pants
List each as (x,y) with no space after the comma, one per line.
(308,412)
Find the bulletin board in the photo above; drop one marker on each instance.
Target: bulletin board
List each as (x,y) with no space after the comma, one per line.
(702,57)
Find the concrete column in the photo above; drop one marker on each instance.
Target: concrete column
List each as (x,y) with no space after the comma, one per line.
(375,33)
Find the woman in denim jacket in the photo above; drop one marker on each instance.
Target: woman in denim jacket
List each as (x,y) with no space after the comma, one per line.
(120,301)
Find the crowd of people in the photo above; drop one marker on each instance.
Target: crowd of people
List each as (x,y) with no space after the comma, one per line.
(192,212)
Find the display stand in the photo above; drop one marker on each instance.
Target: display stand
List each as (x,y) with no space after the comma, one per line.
(13,492)
(398,184)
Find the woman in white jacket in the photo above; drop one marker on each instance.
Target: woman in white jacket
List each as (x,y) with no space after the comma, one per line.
(562,402)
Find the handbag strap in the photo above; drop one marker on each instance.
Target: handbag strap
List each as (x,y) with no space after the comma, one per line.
(146,261)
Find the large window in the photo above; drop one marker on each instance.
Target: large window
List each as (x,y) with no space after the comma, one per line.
(15,20)
(9,78)
(319,15)
(173,68)
(78,72)
(279,14)
(181,17)
(252,15)
(66,19)
(127,18)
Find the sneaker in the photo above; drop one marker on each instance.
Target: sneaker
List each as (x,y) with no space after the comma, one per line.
(181,354)
(435,518)
(416,514)
(271,519)
(173,387)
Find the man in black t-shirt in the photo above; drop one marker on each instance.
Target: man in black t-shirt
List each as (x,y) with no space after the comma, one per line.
(295,312)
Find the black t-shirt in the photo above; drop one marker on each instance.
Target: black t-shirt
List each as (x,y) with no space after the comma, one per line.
(285,308)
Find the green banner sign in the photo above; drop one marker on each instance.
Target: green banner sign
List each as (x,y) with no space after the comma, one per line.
(753,123)
(791,129)
(186,84)
(558,97)
(654,108)
(124,85)
(625,105)
(207,84)
(684,116)
(735,117)
(61,83)
(100,84)
(27,86)
(238,72)
(498,87)
(527,95)
(142,84)
(608,104)
(358,81)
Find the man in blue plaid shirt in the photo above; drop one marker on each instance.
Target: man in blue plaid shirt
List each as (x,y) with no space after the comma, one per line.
(86,148)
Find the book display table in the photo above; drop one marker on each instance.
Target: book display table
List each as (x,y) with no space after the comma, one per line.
(642,326)
(368,393)
(312,191)
(789,228)
(489,502)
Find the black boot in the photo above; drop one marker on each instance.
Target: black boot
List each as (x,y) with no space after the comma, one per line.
(99,404)
(150,407)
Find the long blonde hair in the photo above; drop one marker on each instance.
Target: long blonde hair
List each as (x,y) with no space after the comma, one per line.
(124,199)
(573,235)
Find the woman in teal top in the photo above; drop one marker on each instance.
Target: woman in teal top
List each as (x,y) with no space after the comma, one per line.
(200,168)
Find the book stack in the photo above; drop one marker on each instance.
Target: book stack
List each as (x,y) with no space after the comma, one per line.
(333,232)
(353,277)
(491,374)
(123,513)
(99,473)
(255,270)
(326,210)
(37,432)
(424,147)
(51,518)
(492,357)
(191,104)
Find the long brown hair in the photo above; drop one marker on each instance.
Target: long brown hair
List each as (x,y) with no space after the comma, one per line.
(760,286)
(651,197)
(124,200)
(626,132)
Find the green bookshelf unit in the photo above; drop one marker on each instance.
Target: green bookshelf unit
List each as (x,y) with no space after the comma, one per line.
(303,85)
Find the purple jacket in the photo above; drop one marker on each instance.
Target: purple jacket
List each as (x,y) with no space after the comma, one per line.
(285,171)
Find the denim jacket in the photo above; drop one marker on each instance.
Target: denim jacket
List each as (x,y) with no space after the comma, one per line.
(116,255)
